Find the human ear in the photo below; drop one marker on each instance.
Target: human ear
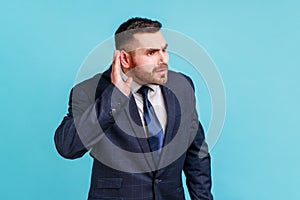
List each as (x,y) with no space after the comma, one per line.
(125,59)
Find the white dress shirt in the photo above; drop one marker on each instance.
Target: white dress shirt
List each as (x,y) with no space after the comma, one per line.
(155,97)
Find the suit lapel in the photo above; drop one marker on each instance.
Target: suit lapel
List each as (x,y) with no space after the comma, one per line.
(170,108)
(170,105)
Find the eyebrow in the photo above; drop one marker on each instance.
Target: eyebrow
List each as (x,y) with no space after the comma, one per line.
(157,49)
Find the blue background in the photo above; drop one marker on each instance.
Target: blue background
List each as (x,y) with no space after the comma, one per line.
(255,45)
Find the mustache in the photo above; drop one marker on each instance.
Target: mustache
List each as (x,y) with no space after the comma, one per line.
(155,67)
(161,67)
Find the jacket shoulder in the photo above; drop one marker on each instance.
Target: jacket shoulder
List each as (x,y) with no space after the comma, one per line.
(93,86)
(179,80)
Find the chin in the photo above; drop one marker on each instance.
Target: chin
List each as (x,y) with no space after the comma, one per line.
(161,81)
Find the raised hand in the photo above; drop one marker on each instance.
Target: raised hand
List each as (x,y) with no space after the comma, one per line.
(116,77)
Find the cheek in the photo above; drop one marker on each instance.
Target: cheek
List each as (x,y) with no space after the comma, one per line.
(145,66)
(144,61)
(145,69)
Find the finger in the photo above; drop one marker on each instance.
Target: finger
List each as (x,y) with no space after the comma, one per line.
(116,59)
(116,66)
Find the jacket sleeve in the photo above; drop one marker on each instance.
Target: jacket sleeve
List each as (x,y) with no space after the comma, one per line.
(197,166)
(87,119)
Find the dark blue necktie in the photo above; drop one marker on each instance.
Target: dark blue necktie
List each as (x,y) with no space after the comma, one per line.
(153,127)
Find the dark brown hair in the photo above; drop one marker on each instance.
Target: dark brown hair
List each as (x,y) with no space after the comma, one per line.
(134,25)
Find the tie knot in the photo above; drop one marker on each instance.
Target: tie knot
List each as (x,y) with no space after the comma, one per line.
(144,91)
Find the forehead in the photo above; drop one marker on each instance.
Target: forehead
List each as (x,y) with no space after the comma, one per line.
(149,40)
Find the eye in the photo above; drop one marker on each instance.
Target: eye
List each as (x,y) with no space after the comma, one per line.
(150,53)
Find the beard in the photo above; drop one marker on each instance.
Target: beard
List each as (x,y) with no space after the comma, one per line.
(158,75)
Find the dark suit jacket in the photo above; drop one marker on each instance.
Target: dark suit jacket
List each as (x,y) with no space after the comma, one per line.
(102,120)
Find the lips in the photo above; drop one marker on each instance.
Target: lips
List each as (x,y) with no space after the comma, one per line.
(162,69)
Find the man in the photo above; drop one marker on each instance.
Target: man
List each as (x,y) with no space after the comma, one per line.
(139,122)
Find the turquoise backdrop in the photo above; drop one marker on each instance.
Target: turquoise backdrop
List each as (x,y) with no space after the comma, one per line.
(255,45)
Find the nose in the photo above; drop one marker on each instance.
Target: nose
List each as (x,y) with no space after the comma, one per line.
(164,57)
